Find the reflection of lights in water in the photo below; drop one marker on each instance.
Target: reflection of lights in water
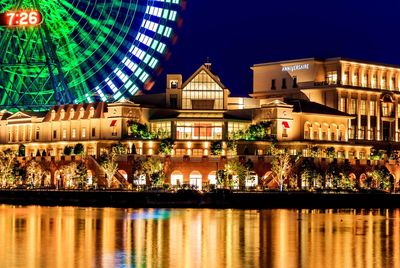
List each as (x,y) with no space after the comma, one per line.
(151,214)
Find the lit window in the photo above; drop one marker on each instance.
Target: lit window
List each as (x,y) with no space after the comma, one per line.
(373,82)
(372,109)
(64,133)
(353,106)
(83,132)
(363,109)
(342,104)
(73,133)
(332,78)
(355,79)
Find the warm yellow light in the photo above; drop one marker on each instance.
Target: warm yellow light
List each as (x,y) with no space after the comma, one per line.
(206,144)
(189,144)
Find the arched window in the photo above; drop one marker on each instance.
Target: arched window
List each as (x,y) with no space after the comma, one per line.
(196,179)
(176,178)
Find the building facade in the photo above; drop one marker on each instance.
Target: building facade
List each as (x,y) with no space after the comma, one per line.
(299,105)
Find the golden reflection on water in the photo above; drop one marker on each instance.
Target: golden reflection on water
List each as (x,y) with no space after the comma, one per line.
(92,237)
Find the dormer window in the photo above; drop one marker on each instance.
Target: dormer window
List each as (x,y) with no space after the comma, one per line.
(91,112)
(53,115)
(72,114)
(62,113)
(82,112)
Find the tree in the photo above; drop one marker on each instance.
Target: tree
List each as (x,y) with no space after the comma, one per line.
(281,165)
(7,163)
(154,170)
(81,174)
(70,175)
(333,174)
(34,172)
(232,147)
(221,178)
(140,131)
(235,168)
(166,146)
(68,150)
(79,149)
(216,148)
(110,166)
(119,148)
(330,152)
(382,178)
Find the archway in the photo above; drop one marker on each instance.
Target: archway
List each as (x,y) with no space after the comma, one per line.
(212,178)
(196,179)
(176,178)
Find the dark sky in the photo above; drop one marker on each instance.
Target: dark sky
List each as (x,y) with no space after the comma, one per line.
(237,34)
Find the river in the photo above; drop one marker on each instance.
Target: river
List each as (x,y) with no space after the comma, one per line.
(37,236)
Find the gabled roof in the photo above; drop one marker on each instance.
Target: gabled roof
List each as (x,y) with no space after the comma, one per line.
(304,106)
(99,109)
(207,70)
(26,115)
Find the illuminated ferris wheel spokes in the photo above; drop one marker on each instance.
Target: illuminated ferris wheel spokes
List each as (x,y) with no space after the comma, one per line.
(106,50)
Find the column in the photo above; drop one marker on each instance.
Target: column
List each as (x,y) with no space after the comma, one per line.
(368,117)
(358,112)
(396,122)
(378,118)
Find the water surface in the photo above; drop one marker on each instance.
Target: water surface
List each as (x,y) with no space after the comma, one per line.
(106,237)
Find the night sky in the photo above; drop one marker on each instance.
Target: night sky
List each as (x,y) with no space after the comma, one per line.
(237,34)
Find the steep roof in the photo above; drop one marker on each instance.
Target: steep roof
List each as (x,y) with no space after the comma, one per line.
(209,72)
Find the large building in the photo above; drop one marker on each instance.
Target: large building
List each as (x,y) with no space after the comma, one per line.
(301,105)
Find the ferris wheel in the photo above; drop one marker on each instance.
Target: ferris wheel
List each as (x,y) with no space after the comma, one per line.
(77,51)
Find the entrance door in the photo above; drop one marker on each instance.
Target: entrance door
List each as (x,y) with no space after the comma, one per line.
(386,131)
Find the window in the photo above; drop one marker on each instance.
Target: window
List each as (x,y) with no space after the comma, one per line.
(383,82)
(373,82)
(353,106)
(162,129)
(93,132)
(54,134)
(362,133)
(342,104)
(352,132)
(345,78)
(180,152)
(203,91)
(392,83)
(355,79)
(173,101)
(363,108)
(294,82)
(385,109)
(236,129)
(273,84)
(83,133)
(37,133)
(331,78)
(284,133)
(64,134)
(372,108)
(365,80)
(114,131)
(199,130)
(73,133)
(197,152)
(174,84)
(283,83)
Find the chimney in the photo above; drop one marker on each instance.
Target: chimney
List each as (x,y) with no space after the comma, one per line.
(208,64)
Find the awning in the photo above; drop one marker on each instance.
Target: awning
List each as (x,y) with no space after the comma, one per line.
(285,124)
(113,123)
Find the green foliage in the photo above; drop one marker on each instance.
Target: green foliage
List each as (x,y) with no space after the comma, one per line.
(333,176)
(216,148)
(235,168)
(68,150)
(330,152)
(166,146)
(259,131)
(81,174)
(79,149)
(118,148)
(221,177)
(154,170)
(232,147)
(310,175)
(8,160)
(376,154)
(140,131)
(109,163)
(315,151)
(382,179)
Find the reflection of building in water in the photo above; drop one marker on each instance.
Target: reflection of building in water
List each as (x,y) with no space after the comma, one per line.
(88,237)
